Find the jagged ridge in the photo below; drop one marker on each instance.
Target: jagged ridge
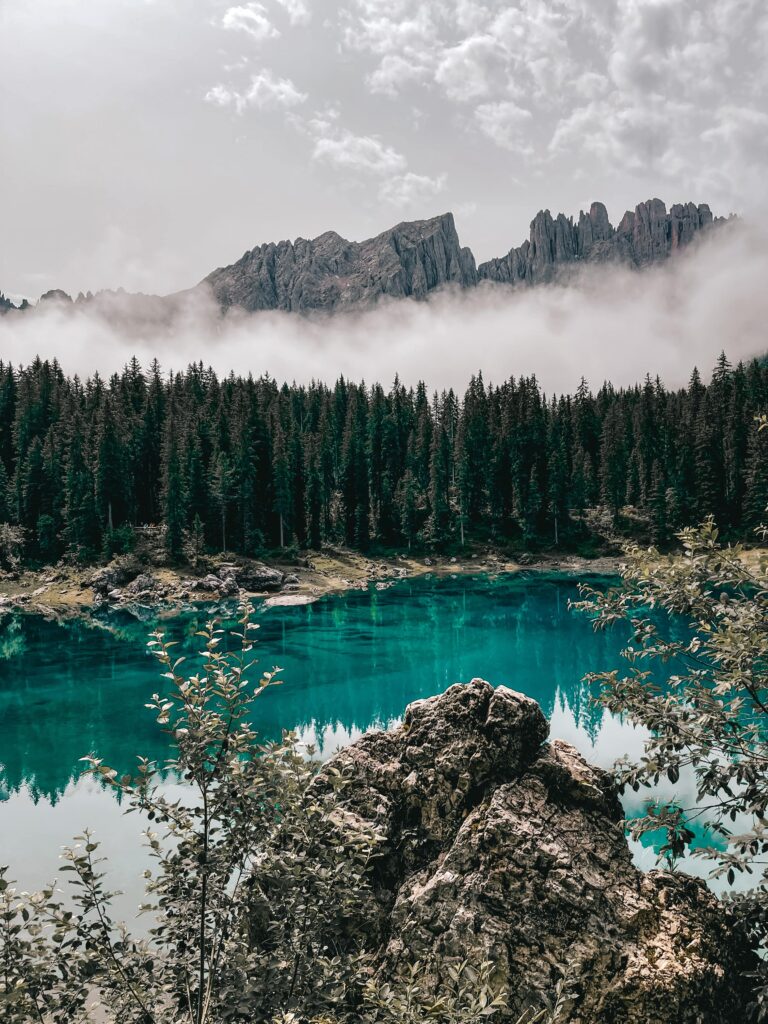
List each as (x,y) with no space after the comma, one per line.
(645,236)
(415,258)
(329,272)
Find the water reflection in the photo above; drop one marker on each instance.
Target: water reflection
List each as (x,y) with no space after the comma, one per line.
(350,663)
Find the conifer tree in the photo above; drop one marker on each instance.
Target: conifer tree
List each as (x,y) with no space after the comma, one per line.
(756,492)
(110,467)
(439,508)
(262,464)
(173,491)
(82,532)
(221,488)
(283,483)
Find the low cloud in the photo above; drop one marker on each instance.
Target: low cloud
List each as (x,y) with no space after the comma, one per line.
(607,324)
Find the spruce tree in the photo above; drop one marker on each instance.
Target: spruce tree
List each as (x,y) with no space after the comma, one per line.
(82,531)
(283,483)
(439,461)
(173,490)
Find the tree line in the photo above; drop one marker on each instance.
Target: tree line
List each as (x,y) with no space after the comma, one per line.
(244,464)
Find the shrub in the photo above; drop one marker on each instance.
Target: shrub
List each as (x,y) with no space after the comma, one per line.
(260,900)
(711,720)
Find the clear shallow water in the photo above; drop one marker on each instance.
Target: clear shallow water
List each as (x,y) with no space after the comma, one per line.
(350,663)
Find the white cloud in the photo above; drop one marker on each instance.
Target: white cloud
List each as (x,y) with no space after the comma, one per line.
(252,19)
(411,190)
(342,148)
(632,136)
(265,92)
(471,69)
(367,156)
(674,89)
(505,124)
(297,10)
(669,319)
(394,72)
(382,32)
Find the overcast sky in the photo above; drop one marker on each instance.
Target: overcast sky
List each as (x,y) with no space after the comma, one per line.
(144,142)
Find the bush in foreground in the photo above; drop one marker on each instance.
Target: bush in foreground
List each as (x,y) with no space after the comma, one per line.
(709,723)
(259,898)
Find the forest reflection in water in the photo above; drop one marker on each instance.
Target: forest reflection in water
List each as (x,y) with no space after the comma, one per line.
(351,662)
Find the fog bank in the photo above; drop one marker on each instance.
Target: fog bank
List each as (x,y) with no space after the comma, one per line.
(609,323)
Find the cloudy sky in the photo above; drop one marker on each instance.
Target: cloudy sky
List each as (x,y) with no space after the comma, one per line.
(144,142)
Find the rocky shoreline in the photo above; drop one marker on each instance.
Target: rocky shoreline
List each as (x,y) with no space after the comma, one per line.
(65,591)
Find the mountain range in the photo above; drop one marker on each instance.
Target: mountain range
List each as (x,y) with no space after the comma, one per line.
(415,258)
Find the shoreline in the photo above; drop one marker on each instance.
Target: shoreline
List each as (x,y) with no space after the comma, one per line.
(66,591)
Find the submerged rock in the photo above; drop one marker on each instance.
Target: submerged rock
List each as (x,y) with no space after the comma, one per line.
(502,847)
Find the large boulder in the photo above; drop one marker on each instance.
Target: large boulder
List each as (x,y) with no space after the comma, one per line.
(501,847)
(254,577)
(113,576)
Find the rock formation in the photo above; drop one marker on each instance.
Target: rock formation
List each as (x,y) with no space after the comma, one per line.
(56,295)
(645,236)
(329,273)
(411,260)
(502,847)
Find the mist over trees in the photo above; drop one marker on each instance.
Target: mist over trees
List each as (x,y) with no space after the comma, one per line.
(244,464)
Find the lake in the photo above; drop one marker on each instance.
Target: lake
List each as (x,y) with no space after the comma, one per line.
(351,663)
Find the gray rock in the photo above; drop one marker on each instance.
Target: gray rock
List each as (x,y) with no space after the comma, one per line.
(501,847)
(256,577)
(229,587)
(56,295)
(111,577)
(329,272)
(144,584)
(645,236)
(209,583)
(411,260)
(291,580)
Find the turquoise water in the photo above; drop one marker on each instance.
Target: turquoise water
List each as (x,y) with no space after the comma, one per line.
(350,663)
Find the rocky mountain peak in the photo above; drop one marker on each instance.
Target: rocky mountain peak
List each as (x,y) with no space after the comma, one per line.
(645,235)
(329,272)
